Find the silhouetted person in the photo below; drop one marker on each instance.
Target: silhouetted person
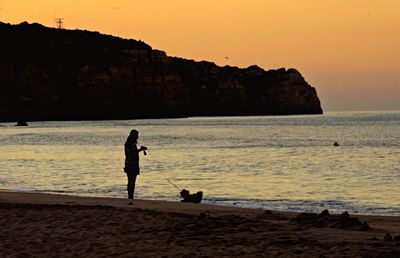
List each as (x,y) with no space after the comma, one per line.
(132,161)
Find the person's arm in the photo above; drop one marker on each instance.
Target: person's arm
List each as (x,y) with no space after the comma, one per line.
(130,150)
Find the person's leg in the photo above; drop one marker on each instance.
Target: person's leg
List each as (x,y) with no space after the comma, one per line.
(133,182)
(131,185)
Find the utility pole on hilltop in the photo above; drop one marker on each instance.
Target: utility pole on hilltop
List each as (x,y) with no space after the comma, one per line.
(59,22)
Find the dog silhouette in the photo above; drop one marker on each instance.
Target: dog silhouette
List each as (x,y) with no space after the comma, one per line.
(194,198)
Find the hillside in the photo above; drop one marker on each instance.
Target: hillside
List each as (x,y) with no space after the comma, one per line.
(57,74)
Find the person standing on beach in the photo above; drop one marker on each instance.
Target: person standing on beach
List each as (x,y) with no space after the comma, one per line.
(132,160)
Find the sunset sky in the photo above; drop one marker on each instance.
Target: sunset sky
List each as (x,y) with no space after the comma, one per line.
(349,50)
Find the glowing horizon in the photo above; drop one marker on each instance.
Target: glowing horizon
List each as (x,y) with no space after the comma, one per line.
(349,51)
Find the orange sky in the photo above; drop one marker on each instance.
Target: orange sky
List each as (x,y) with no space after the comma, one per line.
(349,50)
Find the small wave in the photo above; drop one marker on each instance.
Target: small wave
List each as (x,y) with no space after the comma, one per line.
(305,206)
(40,191)
(53,191)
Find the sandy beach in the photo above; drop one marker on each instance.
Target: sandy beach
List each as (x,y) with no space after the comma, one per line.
(44,225)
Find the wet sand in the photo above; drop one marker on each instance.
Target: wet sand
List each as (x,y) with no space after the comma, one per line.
(45,225)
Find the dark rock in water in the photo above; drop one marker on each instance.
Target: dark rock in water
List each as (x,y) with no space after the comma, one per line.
(58,74)
(365,227)
(21,123)
(396,238)
(388,237)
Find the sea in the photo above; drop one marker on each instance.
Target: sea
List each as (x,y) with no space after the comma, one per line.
(278,163)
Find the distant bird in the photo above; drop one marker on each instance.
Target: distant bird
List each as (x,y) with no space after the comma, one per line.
(227,58)
(115,8)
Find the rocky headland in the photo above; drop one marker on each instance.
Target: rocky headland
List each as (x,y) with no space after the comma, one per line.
(58,74)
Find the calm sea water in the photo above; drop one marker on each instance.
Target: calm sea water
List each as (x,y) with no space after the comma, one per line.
(283,163)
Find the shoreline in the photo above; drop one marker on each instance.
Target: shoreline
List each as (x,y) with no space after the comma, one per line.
(37,224)
(330,112)
(210,202)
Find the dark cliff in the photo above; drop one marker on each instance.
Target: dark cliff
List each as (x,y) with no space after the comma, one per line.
(53,74)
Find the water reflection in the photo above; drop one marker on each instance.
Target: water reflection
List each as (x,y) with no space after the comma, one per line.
(272,162)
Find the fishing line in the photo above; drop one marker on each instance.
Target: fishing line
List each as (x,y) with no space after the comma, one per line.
(169,181)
